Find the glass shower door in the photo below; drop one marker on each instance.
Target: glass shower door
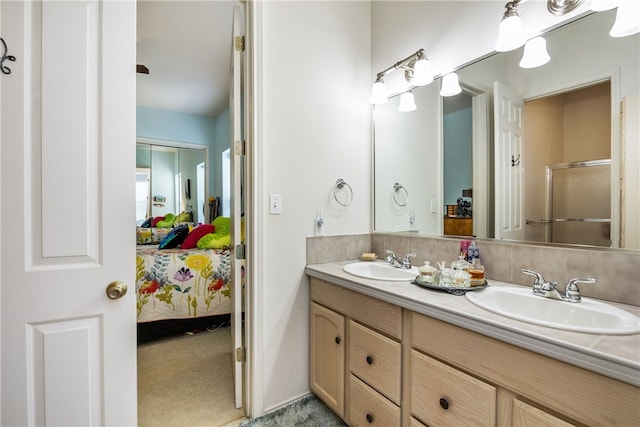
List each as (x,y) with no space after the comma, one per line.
(579,203)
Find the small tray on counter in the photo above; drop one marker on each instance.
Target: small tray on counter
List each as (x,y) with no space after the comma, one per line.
(454,290)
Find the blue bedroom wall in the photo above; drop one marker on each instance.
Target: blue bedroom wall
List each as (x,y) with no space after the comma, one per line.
(200,130)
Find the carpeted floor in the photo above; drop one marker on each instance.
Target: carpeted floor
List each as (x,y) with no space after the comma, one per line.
(187,381)
(306,412)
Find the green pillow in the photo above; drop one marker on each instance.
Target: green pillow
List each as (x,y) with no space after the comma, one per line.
(167,222)
(214,241)
(222,224)
(183,217)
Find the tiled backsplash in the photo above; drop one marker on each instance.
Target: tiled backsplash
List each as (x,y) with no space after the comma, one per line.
(617,271)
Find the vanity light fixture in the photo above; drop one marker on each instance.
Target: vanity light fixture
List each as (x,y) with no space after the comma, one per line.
(407,102)
(417,71)
(379,92)
(422,74)
(450,85)
(511,32)
(627,22)
(535,53)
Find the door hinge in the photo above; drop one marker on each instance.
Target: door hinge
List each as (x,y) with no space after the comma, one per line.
(239,148)
(240,251)
(240,355)
(239,43)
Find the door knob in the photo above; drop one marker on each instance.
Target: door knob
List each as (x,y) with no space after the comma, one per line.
(116,289)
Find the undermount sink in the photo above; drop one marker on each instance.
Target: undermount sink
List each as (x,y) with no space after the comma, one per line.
(380,271)
(588,316)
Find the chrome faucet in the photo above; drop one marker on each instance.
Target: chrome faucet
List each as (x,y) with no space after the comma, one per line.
(544,288)
(394,261)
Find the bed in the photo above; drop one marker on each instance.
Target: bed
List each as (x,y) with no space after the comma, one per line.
(180,290)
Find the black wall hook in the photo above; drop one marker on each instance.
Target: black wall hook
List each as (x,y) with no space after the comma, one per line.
(515,160)
(5,69)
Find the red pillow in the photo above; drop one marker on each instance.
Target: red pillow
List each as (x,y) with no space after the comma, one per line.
(155,220)
(192,238)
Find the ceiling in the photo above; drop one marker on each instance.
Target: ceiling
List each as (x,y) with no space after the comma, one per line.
(187,47)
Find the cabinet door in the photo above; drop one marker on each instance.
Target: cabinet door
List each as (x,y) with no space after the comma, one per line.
(326,370)
(525,415)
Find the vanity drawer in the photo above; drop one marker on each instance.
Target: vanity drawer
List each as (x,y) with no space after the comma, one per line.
(442,395)
(369,408)
(375,359)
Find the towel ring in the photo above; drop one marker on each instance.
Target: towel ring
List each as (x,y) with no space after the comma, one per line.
(397,188)
(340,184)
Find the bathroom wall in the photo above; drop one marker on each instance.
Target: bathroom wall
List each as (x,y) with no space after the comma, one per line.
(616,271)
(315,127)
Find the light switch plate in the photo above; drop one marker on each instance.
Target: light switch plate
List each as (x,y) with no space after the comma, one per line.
(275,204)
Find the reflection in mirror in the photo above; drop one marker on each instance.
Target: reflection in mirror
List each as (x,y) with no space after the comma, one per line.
(590,76)
(457,167)
(170,179)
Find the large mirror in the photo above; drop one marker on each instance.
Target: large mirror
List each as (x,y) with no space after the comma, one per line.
(170,178)
(568,176)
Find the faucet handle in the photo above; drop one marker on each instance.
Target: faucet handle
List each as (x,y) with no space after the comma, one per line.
(572,292)
(539,279)
(406,261)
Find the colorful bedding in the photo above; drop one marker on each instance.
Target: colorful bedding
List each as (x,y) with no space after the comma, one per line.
(150,236)
(182,283)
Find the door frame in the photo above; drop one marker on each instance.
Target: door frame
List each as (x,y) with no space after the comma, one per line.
(252,97)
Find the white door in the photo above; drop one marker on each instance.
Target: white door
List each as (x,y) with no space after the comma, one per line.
(237,171)
(67,117)
(509,169)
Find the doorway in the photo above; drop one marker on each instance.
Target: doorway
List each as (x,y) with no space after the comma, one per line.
(466,177)
(457,170)
(175,112)
(567,155)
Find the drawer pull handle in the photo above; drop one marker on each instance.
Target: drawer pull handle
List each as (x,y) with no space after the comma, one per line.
(369,418)
(370,360)
(338,340)
(444,404)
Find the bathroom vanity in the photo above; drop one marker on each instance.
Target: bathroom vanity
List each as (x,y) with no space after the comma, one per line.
(394,354)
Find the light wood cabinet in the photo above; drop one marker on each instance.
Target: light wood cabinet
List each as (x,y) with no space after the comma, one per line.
(531,387)
(371,363)
(326,365)
(395,367)
(525,415)
(444,396)
(370,408)
(376,360)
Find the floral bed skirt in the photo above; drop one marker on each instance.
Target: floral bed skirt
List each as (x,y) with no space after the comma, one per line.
(181,284)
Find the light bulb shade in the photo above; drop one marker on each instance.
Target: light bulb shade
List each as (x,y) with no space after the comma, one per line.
(510,34)
(407,103)
(379,93)
(627,22)
(450,85)
(535,53)
(602,5)
(422,74)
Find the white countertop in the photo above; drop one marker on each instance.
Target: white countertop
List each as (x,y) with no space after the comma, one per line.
(616,356)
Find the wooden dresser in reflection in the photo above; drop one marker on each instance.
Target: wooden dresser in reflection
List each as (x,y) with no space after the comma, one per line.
(458,226)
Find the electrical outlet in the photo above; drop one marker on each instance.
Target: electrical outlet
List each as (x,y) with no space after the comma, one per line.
(275,204)
(434,205)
